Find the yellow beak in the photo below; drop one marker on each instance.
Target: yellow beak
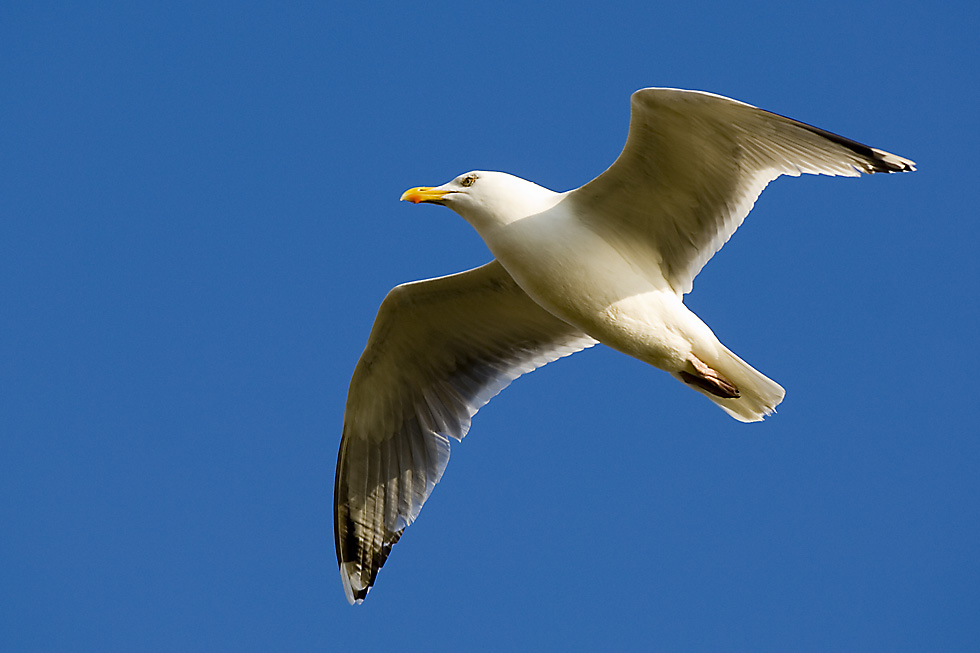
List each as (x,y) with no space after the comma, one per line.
(424,194)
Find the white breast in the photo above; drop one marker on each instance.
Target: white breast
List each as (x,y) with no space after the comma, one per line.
(567,268)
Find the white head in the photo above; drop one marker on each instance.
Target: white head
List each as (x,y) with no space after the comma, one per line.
(487,199)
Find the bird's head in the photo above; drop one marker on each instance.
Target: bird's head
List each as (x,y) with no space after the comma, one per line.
(486,199)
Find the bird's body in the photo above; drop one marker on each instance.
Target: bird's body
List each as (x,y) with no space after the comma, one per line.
(608,262)
(610,294)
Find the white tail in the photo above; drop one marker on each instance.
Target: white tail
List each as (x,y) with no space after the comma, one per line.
(758,394)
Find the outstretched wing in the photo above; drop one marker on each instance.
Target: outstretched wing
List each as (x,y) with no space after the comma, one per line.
(440,349)
(694,164)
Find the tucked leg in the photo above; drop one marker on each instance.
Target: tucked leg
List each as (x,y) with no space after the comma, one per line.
(708,379)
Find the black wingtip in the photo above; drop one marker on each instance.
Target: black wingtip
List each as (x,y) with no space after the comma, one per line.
(363,564)
(874,160)
(891,162)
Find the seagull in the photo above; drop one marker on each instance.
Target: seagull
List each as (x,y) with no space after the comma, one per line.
(606,263)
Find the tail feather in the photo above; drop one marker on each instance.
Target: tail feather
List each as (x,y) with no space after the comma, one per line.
(758,395)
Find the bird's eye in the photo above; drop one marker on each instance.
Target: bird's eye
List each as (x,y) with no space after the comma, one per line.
(468,181)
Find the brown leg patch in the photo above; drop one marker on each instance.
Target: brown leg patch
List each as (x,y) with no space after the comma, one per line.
(709,380)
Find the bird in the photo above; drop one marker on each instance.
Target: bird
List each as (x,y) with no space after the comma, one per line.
(609,262)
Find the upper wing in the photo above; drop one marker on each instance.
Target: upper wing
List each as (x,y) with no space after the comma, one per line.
(694,164)
(440,349)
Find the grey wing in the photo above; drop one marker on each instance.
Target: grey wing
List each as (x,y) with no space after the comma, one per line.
(694,164)
(439,350)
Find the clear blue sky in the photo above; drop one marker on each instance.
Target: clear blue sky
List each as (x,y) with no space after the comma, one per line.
(199,217)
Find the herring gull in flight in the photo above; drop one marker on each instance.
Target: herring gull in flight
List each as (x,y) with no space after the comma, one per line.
(608,262)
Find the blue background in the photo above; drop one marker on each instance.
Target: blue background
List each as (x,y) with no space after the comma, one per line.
(199,217)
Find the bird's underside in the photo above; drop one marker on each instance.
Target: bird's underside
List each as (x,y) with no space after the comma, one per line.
(691,170)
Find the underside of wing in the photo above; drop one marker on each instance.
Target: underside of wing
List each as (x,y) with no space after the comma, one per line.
(692,168)
(439,350)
